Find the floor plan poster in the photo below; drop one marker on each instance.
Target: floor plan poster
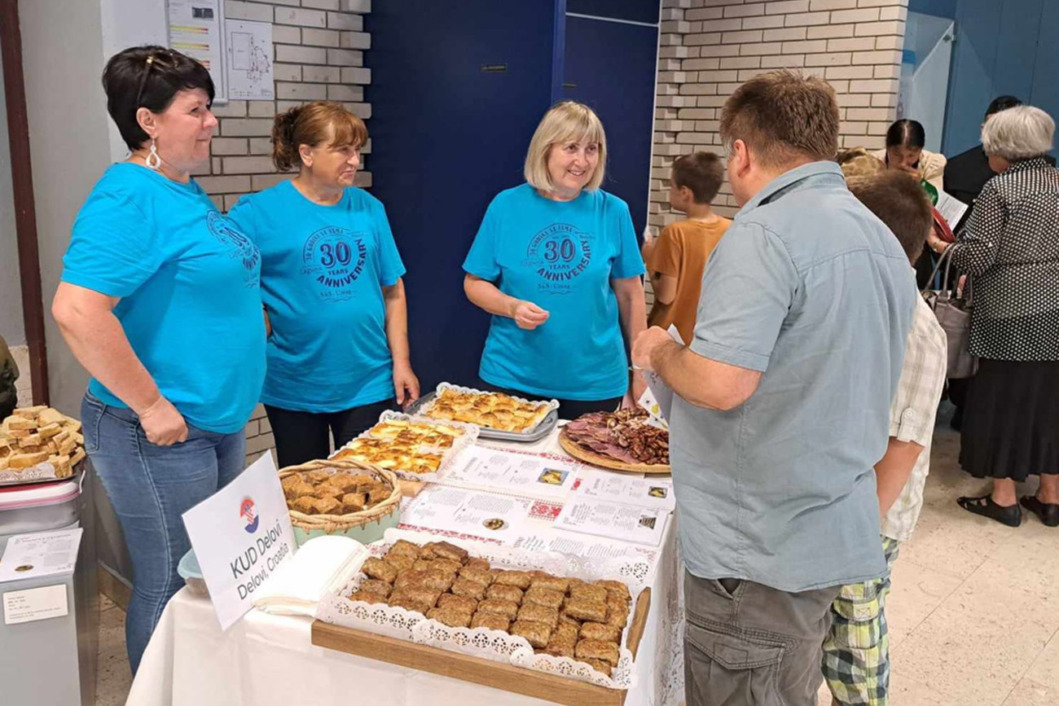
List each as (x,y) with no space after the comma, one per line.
(195,30)
(249,60)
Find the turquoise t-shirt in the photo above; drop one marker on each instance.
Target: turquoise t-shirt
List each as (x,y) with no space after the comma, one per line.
(322,273)
(562,256)
(189,287)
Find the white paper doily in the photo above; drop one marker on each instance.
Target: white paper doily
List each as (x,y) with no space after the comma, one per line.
(336,608)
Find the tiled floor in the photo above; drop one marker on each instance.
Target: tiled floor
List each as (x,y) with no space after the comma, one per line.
(113,677)
(974,612)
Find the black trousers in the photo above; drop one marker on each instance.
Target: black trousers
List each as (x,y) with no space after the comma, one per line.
(6,408)
(568,409)
(305,436)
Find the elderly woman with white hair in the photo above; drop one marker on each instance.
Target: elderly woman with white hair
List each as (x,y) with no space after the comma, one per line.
(557,264)
(1010,248)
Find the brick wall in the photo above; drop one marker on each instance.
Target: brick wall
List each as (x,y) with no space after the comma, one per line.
(708,47)
(319,54)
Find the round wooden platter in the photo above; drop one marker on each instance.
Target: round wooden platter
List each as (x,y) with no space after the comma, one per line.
(582,454)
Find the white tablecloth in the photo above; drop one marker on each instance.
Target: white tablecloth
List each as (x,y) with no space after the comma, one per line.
(268,660)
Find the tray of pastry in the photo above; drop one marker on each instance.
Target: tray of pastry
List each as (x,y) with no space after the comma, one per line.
(39,445)
(475,616)
(411,446)
(497,415)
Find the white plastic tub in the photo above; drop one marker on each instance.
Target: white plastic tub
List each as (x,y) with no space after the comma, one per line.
(38,508)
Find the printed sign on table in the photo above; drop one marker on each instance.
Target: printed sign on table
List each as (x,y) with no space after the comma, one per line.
(241,535)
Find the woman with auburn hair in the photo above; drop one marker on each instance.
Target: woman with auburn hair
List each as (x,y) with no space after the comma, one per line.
(331,286)
(557,264)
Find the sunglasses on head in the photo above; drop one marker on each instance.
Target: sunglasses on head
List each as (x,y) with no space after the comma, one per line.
(151,61)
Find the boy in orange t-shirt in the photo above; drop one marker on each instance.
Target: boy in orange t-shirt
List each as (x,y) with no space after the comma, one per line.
(676,259)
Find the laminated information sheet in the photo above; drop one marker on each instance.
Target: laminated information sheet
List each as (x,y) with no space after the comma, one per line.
(40,554)
(639,490)
(585,546)
(512,473)
(614,520)
(467,512)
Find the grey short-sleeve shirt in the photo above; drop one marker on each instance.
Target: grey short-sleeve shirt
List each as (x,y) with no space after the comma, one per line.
(810,288)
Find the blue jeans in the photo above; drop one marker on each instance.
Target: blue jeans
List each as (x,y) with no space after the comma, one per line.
(150,488)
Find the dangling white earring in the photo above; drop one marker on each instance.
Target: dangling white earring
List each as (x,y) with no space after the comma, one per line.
(153,161)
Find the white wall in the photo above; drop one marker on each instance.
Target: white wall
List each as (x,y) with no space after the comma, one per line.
(129,23)
(710,47)
(11,327)
(69,143)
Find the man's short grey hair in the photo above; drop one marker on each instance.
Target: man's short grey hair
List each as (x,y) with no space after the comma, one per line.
(1018,133)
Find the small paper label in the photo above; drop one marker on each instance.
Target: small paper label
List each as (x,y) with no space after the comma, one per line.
(35,604)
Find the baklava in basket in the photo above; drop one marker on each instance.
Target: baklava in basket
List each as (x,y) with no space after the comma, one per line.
(340,496)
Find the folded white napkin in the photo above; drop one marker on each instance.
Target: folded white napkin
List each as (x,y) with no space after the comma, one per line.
(297,586)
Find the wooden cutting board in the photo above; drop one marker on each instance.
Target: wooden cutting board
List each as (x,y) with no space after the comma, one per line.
(590,457)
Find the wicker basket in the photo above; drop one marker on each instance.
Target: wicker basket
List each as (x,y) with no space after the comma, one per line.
(365,526)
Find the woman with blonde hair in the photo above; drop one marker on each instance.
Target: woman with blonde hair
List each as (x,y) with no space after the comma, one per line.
(557,264)
(331,286)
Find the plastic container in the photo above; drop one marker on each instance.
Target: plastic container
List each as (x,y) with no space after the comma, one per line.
(38,508)
(189,570)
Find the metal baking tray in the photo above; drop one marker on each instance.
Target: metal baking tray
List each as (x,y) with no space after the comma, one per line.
(535,434)
(76,475)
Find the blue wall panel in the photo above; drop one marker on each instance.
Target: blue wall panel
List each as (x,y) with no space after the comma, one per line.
(970,84)
(455,97)
(620,87)
(632,10)
(938,8)
(1002,47)
(1045,92)
(1017,50)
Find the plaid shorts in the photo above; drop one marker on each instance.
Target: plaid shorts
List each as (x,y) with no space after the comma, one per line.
(856,659)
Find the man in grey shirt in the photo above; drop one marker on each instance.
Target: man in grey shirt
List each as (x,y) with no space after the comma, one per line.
(783,401)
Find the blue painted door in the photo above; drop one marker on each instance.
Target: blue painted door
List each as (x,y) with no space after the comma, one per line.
(1002,47)
(457,90)
(1045,90)
(610,66)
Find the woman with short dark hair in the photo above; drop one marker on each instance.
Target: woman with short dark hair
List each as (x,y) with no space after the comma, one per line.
(1010,248)
(159,301)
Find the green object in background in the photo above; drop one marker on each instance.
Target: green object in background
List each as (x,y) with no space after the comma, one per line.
(8,375)
(931,192)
